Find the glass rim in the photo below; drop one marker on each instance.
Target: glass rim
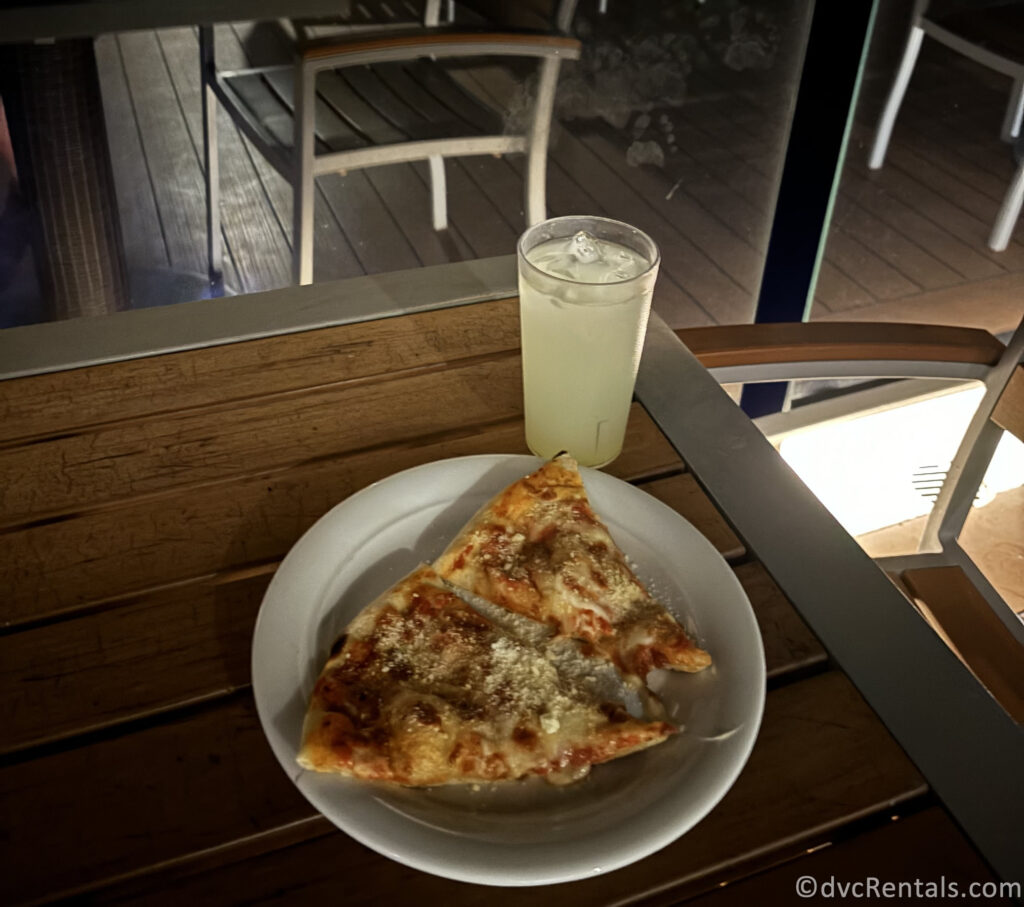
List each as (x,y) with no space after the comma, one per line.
(521,254)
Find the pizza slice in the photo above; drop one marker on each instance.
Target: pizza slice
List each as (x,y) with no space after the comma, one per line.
(423,690)
(539,550)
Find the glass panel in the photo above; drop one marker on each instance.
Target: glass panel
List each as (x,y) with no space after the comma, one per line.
(674,119)
(911,237)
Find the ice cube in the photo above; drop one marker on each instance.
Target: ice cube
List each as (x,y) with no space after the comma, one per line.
(586,248)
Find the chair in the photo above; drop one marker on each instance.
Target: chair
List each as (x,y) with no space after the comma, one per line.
(991,33)
(945,585)
(267,103)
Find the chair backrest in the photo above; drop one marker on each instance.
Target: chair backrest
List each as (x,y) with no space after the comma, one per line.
(946,587)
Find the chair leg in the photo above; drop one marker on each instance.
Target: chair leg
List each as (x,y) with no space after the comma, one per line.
(303,177)
(892,105)
(438,192)
(537,146)
(211,164)
(1008,213)
(1014,112)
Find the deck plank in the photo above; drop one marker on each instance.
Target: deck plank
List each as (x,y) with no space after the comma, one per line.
(141,230)
(404,191)
(251,226)
(711,232)
(353,197)
(333,258)
(180,191)
(889,244)
(855,259)
(570,192)
(868,192)
(681,258)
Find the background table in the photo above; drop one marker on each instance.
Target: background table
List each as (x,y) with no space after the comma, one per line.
(146,505)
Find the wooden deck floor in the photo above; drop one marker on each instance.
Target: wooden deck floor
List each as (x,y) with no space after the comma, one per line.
(908,242)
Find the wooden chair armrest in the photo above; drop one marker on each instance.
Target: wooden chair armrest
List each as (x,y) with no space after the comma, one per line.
(753,344)
(406,46)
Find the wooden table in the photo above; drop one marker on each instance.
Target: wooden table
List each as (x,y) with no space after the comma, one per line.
(146,505)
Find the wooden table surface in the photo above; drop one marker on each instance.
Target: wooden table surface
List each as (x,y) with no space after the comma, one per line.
(146,505)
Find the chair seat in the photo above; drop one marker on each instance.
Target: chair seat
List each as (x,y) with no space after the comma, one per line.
(999,28)
(959,613)
(367,106)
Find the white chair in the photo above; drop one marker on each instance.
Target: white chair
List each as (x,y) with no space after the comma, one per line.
(984,32)
(293,146)
(944,584)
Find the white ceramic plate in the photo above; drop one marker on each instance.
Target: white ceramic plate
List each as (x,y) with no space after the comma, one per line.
(517,833)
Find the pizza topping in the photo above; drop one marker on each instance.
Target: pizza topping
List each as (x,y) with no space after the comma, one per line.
(539,549)
(430,691)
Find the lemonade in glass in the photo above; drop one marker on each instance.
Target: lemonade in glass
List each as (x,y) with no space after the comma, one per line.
(585,286)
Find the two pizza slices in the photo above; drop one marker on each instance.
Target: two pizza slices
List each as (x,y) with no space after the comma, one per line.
(519,653)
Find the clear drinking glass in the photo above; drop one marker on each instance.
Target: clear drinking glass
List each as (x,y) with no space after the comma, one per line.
(585,286)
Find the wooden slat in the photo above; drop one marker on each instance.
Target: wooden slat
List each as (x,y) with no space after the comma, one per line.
(416,103)
(923,853)
(822,759)
(979,160)
(192,643)
(1009,410)
(463,102)
(195,782)
(164,651)
(683,494)
(99,555)
(789,644)
(355,113)
(836,292)
(362,98)
(219,443)
(964,619)
(402,188)
(743,144)
(748,344)
(62,402)
(947,231)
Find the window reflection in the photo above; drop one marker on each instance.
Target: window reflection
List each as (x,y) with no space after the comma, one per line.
(674,119)
(911,240)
